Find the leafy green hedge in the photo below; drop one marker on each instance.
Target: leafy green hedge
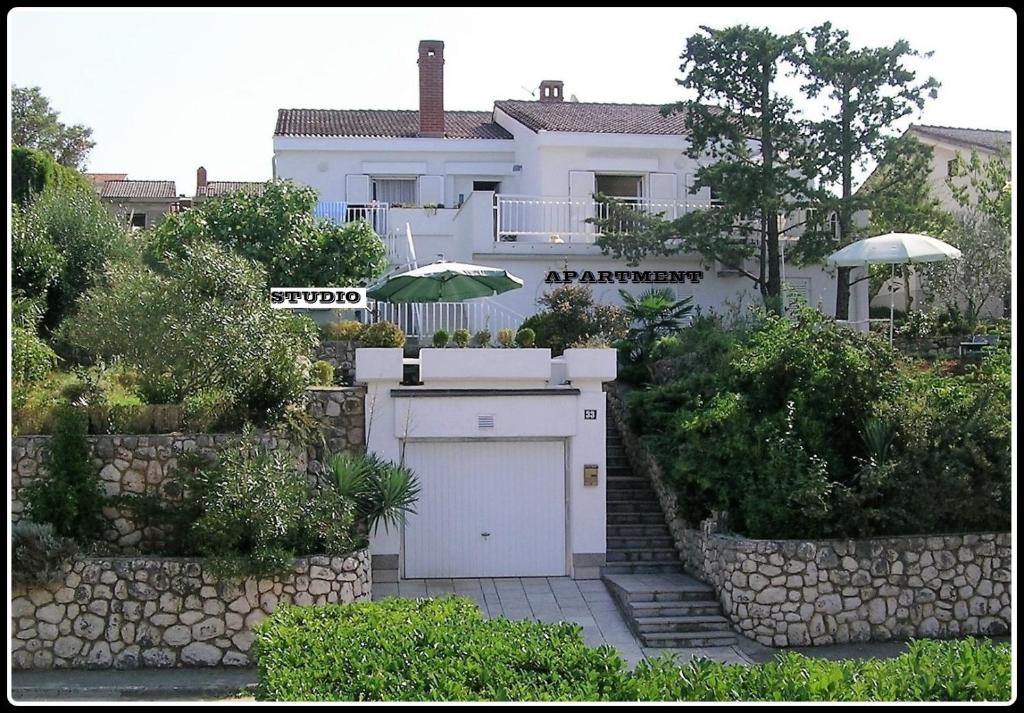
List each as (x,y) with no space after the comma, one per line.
(32,171)
(444,650)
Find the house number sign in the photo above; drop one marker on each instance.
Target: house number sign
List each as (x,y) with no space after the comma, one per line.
(590,414)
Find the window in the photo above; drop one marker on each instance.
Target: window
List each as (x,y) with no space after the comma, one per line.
(138,220)
(486,186)
(951,167)
(395,191)
(616,186)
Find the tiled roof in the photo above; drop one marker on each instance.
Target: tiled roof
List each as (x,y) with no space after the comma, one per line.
(98,179)
(592,117)
(139,189)
(983,138)
(219,188)
(383,123)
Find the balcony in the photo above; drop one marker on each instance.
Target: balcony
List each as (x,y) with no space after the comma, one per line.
(340,212)
(544,219)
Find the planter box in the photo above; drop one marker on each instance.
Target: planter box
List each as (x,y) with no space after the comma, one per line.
(595,364)
(492,365)
(376,364)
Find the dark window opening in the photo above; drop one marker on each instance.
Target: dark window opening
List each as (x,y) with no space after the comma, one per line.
(138,220)
(486,185)
(616,186)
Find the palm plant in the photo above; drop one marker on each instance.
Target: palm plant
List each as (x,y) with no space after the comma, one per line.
(383,492)
(653,315)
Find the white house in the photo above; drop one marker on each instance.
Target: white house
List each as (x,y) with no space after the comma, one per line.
(513,187)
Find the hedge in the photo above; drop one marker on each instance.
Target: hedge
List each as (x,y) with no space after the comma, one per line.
(32,171)
(444,650)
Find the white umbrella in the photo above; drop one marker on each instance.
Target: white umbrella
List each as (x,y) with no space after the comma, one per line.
(893,249)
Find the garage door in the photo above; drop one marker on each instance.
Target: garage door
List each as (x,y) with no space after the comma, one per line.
(487,509)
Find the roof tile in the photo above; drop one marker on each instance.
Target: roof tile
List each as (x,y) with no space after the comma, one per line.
(383,123)
(139,189)
(594,117)
(992,140)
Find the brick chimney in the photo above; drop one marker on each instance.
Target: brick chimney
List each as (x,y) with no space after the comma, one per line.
(200,179)
(551,90)
(431,64)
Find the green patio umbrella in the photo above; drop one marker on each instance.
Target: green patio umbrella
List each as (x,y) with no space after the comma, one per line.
(444,282)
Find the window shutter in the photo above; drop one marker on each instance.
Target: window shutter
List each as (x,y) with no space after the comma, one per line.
(431,190)
(581,184)
(357,189)
(663,187)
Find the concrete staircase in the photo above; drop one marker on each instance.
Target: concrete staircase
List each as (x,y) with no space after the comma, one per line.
(665,607)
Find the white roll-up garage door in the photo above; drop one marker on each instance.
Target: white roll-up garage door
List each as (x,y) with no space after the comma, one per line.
(487,509)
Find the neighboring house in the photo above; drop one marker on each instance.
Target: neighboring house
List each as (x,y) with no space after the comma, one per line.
(142,204)
(513,187)
(947,143)
(212,189)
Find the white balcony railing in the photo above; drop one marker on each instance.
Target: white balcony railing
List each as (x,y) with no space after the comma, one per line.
(376,214)
(546,219)
(421,320)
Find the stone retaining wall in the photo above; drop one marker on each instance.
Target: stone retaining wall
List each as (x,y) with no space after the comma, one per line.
(945,346)
(151,612)
(342,356)
(796,593)
(141,465)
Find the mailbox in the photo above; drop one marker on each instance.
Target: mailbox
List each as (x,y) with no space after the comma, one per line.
(590,475)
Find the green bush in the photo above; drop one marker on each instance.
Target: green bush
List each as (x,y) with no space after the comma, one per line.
(572,318)
(426,650)
(384,334)
(31,358)
(61,245)
(346,330)
(70,497)
(38,554)
(507,338)
(323,373)
(441,339)
(482,338)
(460,338)
(526,337)
(209,411)
(253,511)
(968,670)
(382,492)
(200,322)
(772,423)
(444,650)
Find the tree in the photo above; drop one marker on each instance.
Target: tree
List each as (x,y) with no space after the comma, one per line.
(36,125)
(277,230)
(983,272)
(868,91)
(987,187)
(33,171)
(753,138)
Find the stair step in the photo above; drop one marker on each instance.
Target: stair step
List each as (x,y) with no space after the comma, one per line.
(680,624)
(700,607)
(637,506)
(669,589)
(689,639)
(642,568)
(660,542)
(635,517)
(638,530)
(644,555)
(628,496)
(629,482)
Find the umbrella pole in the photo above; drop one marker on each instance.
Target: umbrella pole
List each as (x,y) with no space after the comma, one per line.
(892,301)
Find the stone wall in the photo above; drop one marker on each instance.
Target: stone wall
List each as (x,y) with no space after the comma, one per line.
(142,465)
(934,347)
(342,356)
(162,612)
(795,593)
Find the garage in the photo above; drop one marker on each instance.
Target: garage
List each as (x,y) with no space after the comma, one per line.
(487,508)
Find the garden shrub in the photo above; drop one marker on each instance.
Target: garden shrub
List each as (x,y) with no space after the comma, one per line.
(200,322)
(61,245)
(381,492)
(572,317)
(384,334)
(440,339)
(526,337)
(252,511)
(70,497)
(506,337)
(460,337)
(771,423)
(209,411)
(38,554)
(323,373)
(33,171)
(482,338)
(31,358)
(426,650)
(444,650)
(346,330)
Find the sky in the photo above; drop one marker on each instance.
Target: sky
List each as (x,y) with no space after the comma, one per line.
(167,91)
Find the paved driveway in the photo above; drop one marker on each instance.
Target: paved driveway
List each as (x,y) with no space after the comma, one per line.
(586,602)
